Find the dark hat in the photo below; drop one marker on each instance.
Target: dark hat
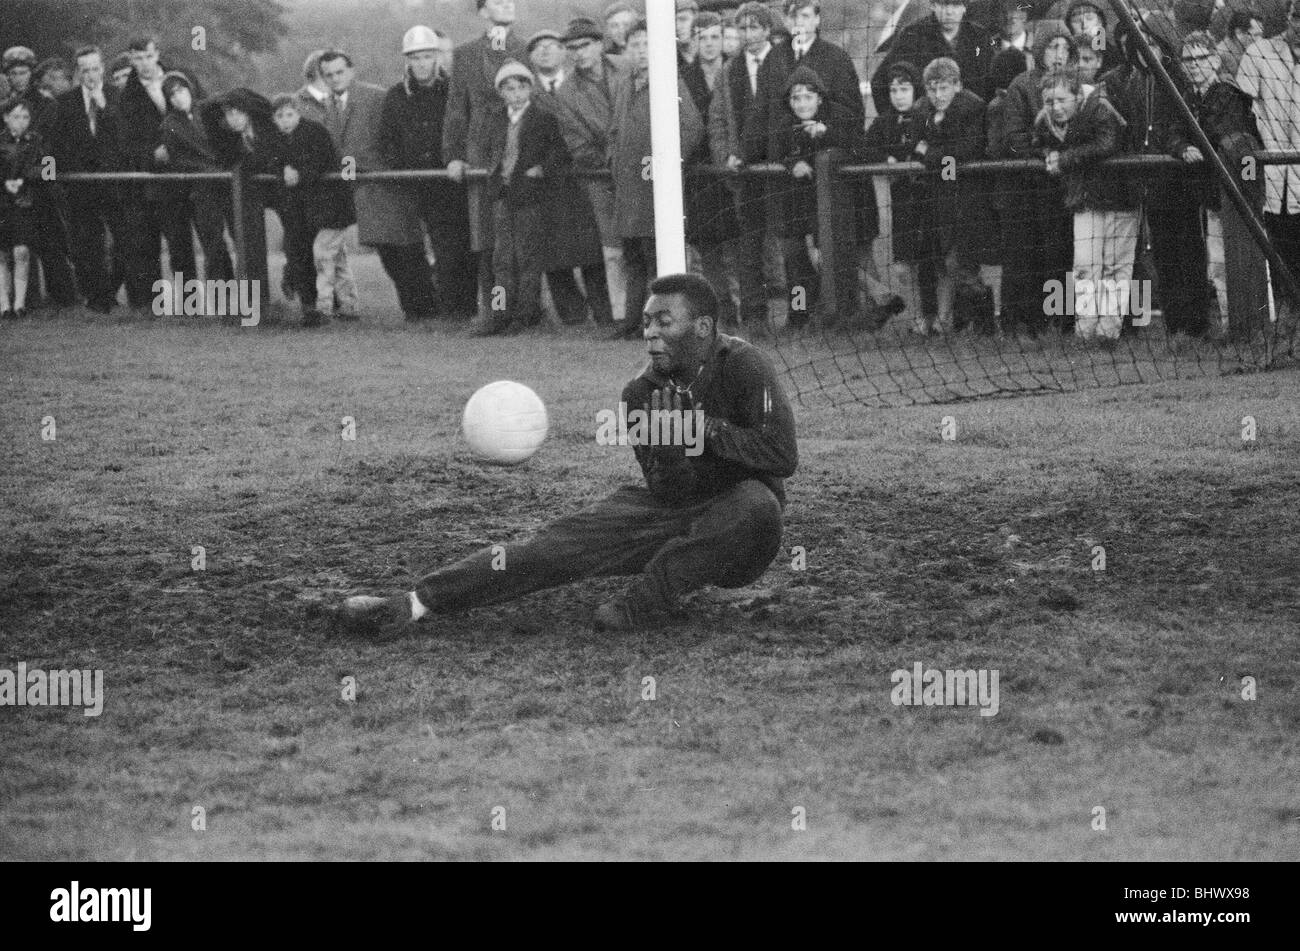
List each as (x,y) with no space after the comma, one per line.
(582,28)
(1045,31)
(905,69)
(247,101)
(805,75)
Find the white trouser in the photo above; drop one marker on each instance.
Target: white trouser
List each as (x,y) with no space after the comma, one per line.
(1218,265)
(333,275)
(1104,245)
(616,278)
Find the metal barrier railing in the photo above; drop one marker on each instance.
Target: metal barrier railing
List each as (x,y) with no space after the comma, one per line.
(1247,288)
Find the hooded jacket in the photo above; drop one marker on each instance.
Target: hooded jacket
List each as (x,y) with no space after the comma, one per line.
(1024,100)
(892,135)
(1133,90)
(1094,134)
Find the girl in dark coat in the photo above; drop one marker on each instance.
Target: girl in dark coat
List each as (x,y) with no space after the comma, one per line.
(818,123)
(189,149)
(890,139)
(243,138)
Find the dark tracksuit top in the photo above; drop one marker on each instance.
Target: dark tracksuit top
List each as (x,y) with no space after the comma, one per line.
(748,434)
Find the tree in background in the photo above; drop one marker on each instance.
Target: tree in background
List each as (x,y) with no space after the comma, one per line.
(214,39)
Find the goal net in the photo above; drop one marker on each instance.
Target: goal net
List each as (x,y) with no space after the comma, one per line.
(1004,198)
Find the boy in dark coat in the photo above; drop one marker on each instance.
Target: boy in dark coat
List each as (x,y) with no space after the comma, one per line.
(315,211)
(1039,229)
(1076,131)
(528,157)
(21,154)
(189,149)
(949,126)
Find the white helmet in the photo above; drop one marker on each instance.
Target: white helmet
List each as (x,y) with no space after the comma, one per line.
(419,38)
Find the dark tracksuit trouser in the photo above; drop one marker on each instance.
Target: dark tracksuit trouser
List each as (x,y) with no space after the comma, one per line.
(1284,230)
(518,259)
(444,207)
(640,265)
(52,250)
(152,214)
(408,269)
(1178,247)
(210,210)
(750,273)
(728,540)
(95,224)
(571,302)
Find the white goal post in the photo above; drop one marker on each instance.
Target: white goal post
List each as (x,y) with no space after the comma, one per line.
(665,138)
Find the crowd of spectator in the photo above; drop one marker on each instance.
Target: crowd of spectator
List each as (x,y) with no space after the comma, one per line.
(951,82)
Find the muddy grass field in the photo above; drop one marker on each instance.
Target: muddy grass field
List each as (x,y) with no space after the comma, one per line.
(1119,688)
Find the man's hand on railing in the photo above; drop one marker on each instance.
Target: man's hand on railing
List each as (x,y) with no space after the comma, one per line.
(1053,163)
(1192,154)
(290,176)
(735,163)
(801,169)
(456,169)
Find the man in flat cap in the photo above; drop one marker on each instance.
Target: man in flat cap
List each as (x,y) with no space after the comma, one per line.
(585,105)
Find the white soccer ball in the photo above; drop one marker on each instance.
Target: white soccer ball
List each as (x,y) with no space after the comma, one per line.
(504,423)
